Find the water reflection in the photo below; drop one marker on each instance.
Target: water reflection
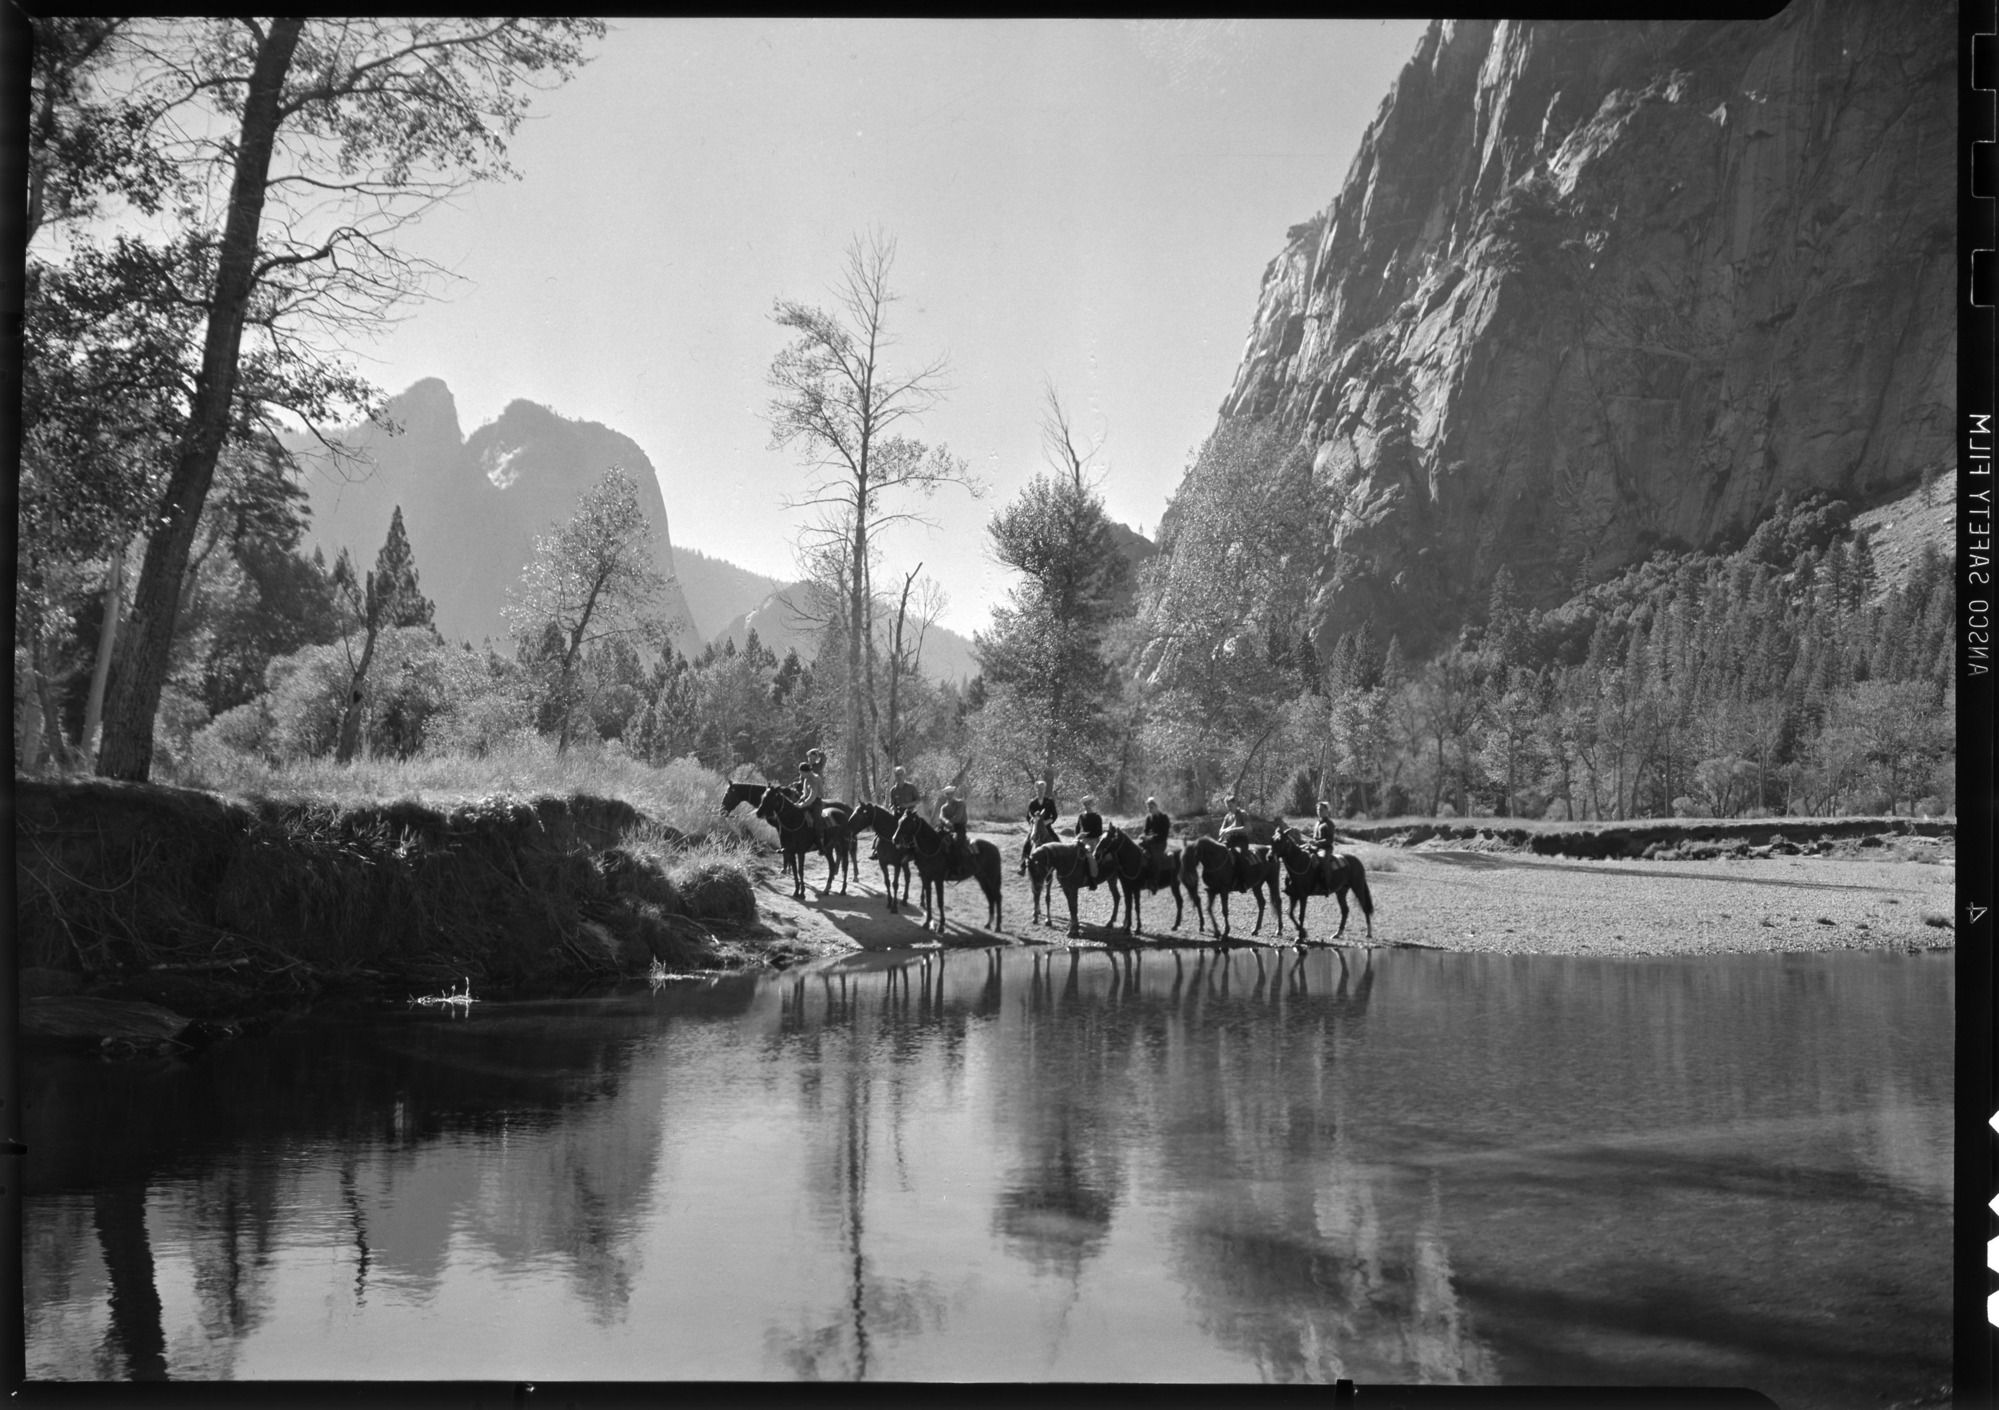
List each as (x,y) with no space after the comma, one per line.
(1279,1166)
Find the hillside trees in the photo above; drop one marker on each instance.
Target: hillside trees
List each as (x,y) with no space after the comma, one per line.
(590,582)
(840,402)
(1225,643)
(258,171)
(1043,659)
(387,598)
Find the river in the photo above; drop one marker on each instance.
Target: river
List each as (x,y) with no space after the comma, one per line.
(1389,1165)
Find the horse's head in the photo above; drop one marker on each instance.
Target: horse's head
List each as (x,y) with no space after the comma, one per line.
(771,808)
(907,824)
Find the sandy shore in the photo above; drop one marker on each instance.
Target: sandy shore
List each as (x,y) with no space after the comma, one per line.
(1487,900)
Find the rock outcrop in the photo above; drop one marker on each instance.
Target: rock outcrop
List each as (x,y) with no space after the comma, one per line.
(472,506)
(1595,288)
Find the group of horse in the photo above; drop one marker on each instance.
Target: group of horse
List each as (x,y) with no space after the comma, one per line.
(905,840)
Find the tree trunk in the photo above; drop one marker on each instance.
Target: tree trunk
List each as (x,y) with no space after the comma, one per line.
(107,639)
(127,751)
(892,745)
(350,717)
(857,626)
(28,731)
(58,747)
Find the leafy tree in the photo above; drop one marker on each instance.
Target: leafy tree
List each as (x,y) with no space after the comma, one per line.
(387,599)
(297,147)
(1046,644)
(591,581)
(840,403)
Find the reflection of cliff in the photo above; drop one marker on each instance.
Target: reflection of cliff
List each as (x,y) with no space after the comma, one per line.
(521,1137)
(1210,1080)
(1313,1289)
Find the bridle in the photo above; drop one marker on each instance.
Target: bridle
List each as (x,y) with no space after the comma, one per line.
(915,844)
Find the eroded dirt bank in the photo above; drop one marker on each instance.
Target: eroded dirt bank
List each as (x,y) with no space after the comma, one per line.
(214,909)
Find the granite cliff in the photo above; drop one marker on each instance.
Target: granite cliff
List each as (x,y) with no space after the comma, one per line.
(472,506)
(1596,288)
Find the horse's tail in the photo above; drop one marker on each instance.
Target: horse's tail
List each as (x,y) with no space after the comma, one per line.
(1360,887)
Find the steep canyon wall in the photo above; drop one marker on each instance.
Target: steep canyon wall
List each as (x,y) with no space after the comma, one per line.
(1596,288)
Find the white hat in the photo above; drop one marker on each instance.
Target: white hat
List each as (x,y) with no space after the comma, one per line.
(1152,802)
(898,769)
(1089,800)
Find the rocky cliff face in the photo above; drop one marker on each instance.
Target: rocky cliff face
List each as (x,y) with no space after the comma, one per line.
(473,506)
(1594,288)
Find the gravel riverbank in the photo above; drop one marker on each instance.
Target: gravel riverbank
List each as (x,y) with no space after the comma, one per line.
(1446,894)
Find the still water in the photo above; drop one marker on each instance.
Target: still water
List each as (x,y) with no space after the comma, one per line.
(1392,1165)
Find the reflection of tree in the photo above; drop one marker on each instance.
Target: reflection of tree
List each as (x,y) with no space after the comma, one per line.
(581,1159)
(866,1034)
(134,1340)
(1067,1178)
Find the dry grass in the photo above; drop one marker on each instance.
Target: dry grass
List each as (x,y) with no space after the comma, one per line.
(682,794)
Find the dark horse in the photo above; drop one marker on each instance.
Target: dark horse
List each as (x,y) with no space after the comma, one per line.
(1042,831)
(1221,872)
(750,793)
(1310,874)
(937,862)
(894,861)
(1065,863)
(1139,867)
(799,839)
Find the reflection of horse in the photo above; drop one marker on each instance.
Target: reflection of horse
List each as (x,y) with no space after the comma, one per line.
(799,839)
(1310,874)
(1139,867)
(1042,831)
(1065,862)
(894,860)
(1222,871)
(937,863)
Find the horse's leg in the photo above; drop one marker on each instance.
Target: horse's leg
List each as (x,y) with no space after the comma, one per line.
(1341,896)
(1075,926)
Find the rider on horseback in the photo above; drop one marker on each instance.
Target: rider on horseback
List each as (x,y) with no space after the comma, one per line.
(1041,814)
(1235,828)
(1158,827)
(903,794)
(1042,806)
(1090,832)
(1323,835)
(951,820)
(812,790)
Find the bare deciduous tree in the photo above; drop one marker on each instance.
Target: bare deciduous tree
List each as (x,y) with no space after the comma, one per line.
(840,402)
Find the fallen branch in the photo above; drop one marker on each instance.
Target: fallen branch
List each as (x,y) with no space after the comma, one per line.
(203,966)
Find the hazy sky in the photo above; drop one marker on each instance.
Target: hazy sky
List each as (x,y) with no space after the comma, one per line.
(1090,203)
